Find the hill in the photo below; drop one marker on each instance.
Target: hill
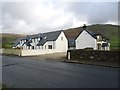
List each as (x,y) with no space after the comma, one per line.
(8,39)
(109,31)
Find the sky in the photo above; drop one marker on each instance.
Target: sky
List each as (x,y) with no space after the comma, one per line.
(39,16)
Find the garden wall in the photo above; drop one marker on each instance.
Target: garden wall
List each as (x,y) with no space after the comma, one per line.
(12,52)
(81,54)
(20,52)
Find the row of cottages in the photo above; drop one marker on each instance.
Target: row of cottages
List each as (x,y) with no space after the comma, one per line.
(59,42)
(51,40)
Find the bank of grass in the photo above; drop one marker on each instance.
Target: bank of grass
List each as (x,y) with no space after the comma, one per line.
(7,45)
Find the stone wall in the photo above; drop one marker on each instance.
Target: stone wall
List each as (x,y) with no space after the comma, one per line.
(81,54)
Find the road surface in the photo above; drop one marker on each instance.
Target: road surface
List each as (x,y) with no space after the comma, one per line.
(24,72)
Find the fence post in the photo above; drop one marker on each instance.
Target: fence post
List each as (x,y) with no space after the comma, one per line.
(69,55)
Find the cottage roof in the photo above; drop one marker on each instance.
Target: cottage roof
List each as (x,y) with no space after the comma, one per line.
(17,41)
(49,36)
(92,34)
(27,43)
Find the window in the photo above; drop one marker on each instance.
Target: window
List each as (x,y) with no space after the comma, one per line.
(28,47)
(61,38)
(32,47)
(49,46)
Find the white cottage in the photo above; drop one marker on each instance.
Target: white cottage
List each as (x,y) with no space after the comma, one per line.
(87,39)
(53,40)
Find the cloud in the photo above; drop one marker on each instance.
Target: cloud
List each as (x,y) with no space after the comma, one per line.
(36,17)
(95,12)
(39,16)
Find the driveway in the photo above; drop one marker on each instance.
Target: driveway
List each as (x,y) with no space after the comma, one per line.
(26,72)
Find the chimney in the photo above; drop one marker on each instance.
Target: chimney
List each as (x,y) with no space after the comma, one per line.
(84,27)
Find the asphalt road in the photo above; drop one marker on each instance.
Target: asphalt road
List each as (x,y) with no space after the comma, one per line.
(24,72)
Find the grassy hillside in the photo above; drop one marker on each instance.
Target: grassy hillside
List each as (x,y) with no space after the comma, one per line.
(109,31)
(8,39)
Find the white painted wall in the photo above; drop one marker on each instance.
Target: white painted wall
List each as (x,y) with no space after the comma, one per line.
(85,40)
(37,52)
(61,46)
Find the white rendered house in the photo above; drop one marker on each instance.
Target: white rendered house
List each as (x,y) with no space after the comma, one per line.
(87,39)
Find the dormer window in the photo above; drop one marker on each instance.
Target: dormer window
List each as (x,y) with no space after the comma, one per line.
(45,37)
(38,39)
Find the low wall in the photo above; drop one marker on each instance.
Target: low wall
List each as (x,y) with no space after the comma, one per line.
(36,52)
(12,52)
(20,52)
(92,55)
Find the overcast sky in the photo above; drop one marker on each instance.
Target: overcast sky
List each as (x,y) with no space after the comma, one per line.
(37,16)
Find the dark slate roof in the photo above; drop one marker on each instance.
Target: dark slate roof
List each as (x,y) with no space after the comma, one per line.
(27,43)
(49,36)
(32,36)
(71,43)
(92,34)
(17,41)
